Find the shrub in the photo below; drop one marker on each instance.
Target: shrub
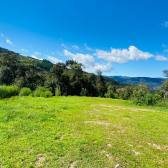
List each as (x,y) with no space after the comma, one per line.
(25,92)
(39,91)
(8,91)
(42,92)
(47,94)
(110,94)
(143,98)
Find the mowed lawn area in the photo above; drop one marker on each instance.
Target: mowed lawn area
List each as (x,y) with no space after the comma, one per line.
(81,132)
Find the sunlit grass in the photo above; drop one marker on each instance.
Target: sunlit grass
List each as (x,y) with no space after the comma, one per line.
(81,132)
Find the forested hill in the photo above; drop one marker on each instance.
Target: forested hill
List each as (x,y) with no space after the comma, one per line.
(42,65)
(152,82)
(45,65)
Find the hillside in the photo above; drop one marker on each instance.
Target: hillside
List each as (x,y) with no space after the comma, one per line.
(45,65)
(152,82)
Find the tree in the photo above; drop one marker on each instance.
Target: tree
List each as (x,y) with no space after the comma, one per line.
(100,84)
(54,78)
(8,68)
(165,73)
(165,87)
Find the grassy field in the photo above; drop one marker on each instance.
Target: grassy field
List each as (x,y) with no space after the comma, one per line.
(81,132)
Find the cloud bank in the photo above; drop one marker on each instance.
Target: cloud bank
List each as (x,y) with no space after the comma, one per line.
(89,62)
(108,57)
(122,55)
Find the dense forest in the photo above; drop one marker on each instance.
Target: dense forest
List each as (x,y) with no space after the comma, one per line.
(42,78)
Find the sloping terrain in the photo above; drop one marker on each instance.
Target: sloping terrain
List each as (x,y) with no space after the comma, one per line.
(81,132)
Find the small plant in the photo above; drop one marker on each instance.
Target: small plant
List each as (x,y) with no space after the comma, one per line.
(25,92)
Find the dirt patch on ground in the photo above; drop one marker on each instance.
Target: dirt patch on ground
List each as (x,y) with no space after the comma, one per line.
(31,150)
(137,153)
(107,154)
(125,108)
(157,146)
(97,122)
(73,164)
(40,160)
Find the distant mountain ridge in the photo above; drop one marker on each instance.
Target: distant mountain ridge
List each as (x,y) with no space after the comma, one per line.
(152,82)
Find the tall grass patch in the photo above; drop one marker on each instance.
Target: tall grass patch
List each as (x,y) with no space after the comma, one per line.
(8,91)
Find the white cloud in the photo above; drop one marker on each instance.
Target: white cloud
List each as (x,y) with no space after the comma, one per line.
(9,42)
(37,53)
(103,67)
(165,24)
(2,35)
(60,53)
(24,50)
(165,50)
(63,45)
(87,48)
(164,46)
(33,56)
(122,55)
(53,59)
(161,58)
(89,62)
(86,60)
(75,47)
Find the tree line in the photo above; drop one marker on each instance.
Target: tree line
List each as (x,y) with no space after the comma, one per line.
(70,79)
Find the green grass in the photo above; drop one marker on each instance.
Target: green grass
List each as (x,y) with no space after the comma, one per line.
(81,132)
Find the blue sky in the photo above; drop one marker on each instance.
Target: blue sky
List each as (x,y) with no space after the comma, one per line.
(124,37)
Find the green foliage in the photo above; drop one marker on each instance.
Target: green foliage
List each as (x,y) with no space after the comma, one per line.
(84,92)
(8,91)
(143,98)
(42,92)
(57,92)
(111,92)
(46,94)
(25,92)
(161,94)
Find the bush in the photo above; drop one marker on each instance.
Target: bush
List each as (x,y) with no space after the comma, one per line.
(8,91)
(143,98)
(162,103)
(39,91)
(109,94)
(25,92)
(42,92)
(47,94)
